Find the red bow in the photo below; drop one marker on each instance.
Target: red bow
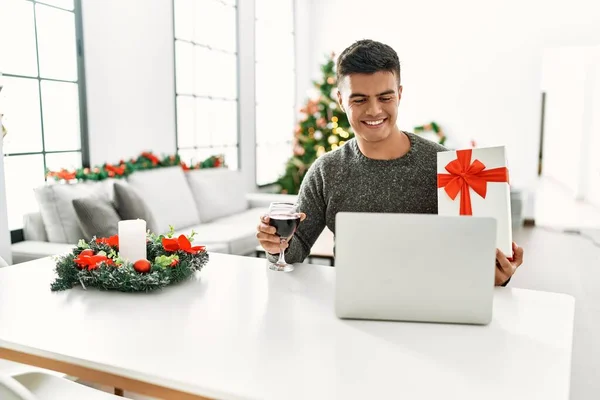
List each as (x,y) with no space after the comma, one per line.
(464,175)
(181,243)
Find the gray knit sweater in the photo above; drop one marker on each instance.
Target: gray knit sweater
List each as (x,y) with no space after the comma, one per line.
(346,180)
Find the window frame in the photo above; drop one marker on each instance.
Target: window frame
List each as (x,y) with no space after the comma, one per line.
(17,235)
(295,94)
(237,146)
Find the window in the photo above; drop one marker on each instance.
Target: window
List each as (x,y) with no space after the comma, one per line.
(42,96)
(206,79)
(275,88)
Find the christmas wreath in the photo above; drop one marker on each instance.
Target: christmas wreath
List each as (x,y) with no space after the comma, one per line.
(432,127)
(97,264)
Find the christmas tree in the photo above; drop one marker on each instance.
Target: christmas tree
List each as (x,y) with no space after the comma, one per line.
(324,127)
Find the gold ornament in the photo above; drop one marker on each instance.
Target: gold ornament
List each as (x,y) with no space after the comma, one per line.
(341,143)
(334,146)
(334,119)
(343,133)
(333,139)
(335,125)
(320,151)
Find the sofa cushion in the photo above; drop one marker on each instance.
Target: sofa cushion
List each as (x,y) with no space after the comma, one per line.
(218,192)
(238,231)
(168,197)
(33,227)
(29,250)
(97,217)
(130,205)
(55,202)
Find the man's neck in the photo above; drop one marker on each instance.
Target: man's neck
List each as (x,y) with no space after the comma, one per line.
(396,145)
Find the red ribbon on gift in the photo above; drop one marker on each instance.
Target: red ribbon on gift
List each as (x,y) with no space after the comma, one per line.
(464,175)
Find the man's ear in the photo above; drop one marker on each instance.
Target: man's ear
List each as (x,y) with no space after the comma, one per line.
(339,99)
(399,92)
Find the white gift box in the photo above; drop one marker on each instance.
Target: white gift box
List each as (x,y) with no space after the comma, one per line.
(486,172)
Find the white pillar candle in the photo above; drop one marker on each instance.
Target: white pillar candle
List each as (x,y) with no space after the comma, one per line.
(132,240)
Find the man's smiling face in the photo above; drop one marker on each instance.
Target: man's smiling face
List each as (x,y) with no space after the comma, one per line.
(371,103)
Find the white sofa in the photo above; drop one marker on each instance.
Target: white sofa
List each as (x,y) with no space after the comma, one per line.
(212,202)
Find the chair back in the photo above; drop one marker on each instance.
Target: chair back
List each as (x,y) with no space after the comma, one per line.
(10,389)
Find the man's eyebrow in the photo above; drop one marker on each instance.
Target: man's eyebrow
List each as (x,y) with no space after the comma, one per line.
(391,91)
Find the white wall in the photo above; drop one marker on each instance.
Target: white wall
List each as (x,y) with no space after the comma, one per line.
(473,66)
(5,251)
(593,174)
(563,126)
(304,40)
(571,138)
(129,75)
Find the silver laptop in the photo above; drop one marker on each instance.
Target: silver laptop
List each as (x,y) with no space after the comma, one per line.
(409,267)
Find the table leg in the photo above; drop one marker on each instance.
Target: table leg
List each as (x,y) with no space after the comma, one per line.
(119,392)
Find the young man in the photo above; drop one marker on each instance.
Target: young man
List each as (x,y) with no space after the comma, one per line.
(382,169)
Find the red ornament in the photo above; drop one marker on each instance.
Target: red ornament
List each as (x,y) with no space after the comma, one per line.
(142,266)
(174,263)
(87,252)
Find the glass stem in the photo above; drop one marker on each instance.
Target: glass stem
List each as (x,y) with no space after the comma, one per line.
(281,260)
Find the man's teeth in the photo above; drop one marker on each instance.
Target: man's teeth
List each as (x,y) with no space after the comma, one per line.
(374,122)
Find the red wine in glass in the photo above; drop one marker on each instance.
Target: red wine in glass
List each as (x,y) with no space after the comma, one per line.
(285,224)
(285,218)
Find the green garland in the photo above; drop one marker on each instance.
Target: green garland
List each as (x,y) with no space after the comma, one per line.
(432,126)
(145,161)
(97,264)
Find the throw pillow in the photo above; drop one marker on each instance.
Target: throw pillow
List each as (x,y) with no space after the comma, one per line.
(166,193)
(218,192)
(97,217)
(130,205)
(56,207)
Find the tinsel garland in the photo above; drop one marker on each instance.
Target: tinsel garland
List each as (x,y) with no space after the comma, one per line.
(171,260)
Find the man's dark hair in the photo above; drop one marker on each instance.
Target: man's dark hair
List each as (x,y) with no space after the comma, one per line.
(367,57)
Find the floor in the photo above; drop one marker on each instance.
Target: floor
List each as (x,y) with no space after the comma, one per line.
(555,207)
(562,254)
(558,262)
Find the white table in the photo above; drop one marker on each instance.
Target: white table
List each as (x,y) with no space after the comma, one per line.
(240,331)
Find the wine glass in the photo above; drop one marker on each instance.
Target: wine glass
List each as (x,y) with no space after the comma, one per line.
(285,218)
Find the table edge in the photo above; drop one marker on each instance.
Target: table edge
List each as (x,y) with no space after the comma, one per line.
(97,375)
